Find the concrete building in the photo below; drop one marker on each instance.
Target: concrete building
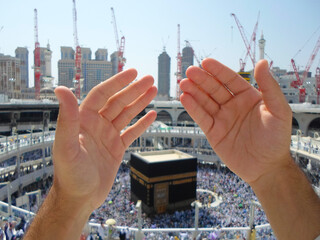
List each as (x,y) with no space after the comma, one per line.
(187,60)
(67,53)
(22,53)
(10,77)
(164,61)
(93,71)
(102,54)
(86,54)
(114,62)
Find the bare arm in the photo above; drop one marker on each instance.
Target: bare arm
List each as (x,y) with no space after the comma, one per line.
(88,150)
(251,131)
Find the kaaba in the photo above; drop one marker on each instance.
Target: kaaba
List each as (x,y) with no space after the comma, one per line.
(164,181)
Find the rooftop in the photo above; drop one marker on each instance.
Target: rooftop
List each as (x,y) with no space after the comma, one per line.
(165,155)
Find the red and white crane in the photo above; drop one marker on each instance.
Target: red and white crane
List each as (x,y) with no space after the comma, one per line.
(120,45)
(77,77)
(249,46)
(299,82)
(37,72)
(179,66)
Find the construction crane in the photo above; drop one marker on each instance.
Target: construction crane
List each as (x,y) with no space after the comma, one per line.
(77,77)
(251,53)
(120,46)
(188,44)
(37,62)
(299,82)
(179,67)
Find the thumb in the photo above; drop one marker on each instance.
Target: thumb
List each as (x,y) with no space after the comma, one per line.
(272,95)
(68,122)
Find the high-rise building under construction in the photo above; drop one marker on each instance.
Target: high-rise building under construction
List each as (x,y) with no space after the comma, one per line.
(186,60)
(22,53)
(93,71)
(10,78)
(164,76)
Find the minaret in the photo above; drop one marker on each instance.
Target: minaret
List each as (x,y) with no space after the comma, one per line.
(262,44)
(47,78)
(47,57)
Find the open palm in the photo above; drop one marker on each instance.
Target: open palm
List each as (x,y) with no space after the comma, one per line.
(248,129)
(90,143)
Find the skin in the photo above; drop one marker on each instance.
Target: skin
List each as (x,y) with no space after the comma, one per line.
(88,150)
(251,131)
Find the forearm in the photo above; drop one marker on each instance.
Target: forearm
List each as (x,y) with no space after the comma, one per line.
(290,203)
(58,218)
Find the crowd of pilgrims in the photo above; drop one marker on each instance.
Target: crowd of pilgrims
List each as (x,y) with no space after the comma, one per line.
(233,211)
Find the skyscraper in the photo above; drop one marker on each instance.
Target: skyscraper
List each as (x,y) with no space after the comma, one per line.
(22,53)
(164,76)
(96,71)
(93,71)
(187,60)
(66,67)
(10,78)
(114,61)
(102,54)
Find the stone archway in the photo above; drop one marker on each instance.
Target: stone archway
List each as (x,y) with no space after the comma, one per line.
(313,127)
(165,117)
(185,119)
(295,126)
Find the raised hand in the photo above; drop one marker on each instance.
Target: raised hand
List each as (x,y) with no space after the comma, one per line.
(89,144)
(248,129)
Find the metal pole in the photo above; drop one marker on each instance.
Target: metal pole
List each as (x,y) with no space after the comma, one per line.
(139,233)
(38,198)
(7,145)
(9,199)
(197,205)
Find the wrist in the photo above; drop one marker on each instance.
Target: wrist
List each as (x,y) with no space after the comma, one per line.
(60,217)
(278,174)
(289,202)
(72,207)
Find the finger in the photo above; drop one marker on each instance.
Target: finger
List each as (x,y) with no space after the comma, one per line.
(232,80)
(203,99)
(196,111)
(134,131)
(98,96)
(134,108)
(271,93)
(120,100)
(68,122)
(209,84)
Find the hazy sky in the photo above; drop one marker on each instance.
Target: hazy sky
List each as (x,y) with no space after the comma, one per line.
(289,26)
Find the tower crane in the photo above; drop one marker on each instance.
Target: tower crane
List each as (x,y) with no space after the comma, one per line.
(120,46)
(251,53)
(37,72)
(179,67)
(299,82)
(195,56)
(78,53)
